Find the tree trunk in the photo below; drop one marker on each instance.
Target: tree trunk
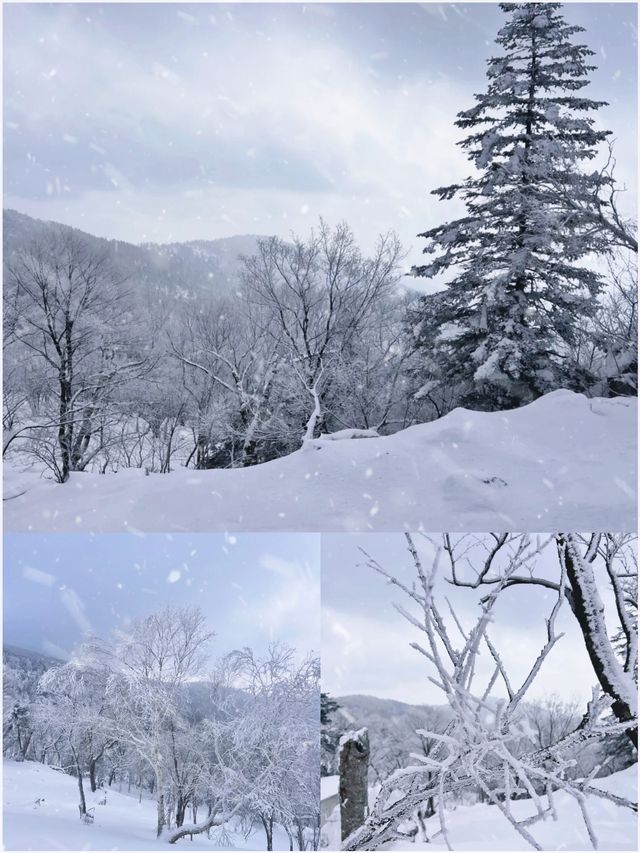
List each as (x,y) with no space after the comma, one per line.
(267,822)
(82,439)
(24,744)
(354,765)
(64,428)
(589,611)
(92,775)
(181,808)
(159,806)
(160,814)
(65,379)
(196,829)
(270,834)
(83,803)
(290,837)
(300,833)
(201,450)
(249,454)
(315,416)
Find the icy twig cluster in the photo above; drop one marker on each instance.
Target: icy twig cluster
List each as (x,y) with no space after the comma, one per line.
(481,746)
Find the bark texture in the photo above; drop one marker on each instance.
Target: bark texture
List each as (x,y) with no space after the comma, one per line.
(354,767)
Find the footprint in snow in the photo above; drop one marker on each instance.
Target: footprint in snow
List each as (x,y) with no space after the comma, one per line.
(496,481)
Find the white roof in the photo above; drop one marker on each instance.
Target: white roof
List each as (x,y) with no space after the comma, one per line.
(329,786)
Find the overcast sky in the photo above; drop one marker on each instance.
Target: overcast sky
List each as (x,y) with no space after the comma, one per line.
(253,588)
(171,122)
(365,642)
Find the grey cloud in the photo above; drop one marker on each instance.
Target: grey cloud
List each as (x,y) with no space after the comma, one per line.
(61,157)
(340,110)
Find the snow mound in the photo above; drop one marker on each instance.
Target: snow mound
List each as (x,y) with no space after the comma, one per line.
(342,434)
(482,827)
(564,461)
(124,823)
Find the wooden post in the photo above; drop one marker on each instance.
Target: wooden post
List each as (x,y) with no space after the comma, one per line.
(354,767)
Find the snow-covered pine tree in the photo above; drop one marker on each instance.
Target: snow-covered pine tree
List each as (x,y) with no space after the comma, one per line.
(518,284)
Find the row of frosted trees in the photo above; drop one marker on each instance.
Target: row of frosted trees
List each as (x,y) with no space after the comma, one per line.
(102,374)
(535,289)
(231,744)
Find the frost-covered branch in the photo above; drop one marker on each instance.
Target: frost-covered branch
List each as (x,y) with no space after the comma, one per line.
(482,746)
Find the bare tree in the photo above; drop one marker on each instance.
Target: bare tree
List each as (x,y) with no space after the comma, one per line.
(72,702)
(578,559)
(149,664)
(601,208)
(314,298)
(552,719)
(605,348)
(479,748)
(69,310)
(229,363)
(276,769)
(616,327)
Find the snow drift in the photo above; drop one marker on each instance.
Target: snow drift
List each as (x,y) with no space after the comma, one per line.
(482,827)
(40,810)
(564,461)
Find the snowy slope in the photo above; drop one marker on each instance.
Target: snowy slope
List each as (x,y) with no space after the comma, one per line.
(482,827)
(564,461)
(122,824)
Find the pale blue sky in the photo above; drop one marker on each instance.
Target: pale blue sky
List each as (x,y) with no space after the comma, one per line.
(253,588)
(171,122)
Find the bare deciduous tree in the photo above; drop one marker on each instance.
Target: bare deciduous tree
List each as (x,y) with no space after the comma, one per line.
(601,208)
(314,297)
(226,356)
(481,745)
(68,308)
(149,664)
(578,559)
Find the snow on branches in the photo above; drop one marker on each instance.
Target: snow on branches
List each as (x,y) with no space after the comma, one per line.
(520,285)
(485,745)
(230,748)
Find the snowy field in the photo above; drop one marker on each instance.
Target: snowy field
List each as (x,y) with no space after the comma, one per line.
(123,823)
(562,462)
(482,827)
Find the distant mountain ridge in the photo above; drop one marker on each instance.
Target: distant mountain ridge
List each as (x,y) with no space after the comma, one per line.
(363,710)
(367,701)
(23,668)
(8,649)
(185,270)
(21,672)
(392,727)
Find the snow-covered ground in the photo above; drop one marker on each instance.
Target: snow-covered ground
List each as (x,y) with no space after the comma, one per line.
(329,797)
(123,823)
(482,827)
(562,462)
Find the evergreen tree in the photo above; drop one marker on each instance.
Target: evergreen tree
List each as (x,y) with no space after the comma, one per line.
(329,735)
(328,706)
(518,284)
